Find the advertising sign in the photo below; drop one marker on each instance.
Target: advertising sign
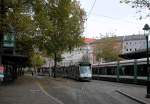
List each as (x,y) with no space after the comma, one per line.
(9,40)
(1,69)
(1,73)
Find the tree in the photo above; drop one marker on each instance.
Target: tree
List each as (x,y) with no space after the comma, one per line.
(12,16)
(85,58)
(141,4)
(67,18)
(16,17)
(138,3)
(30,22)
(37,61)
(108,49)
(51,26)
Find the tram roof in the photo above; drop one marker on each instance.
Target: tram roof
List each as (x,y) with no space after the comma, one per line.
(135,55)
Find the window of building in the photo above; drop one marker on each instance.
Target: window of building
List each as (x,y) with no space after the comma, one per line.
(130,49)
(126,49)
(126,43)
(135,49)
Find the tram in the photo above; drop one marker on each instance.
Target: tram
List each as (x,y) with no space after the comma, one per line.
(126,68)
(81,71)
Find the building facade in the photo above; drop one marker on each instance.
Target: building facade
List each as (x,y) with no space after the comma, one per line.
(82,53)
(125,44)
(133,43)
(98,47)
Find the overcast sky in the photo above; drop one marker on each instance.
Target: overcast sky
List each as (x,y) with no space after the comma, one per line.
(109,16)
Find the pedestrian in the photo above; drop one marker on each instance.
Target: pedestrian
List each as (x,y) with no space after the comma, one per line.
(32,73)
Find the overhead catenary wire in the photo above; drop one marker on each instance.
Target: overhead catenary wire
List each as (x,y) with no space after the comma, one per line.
(109,17)
(90,11)
(116,19)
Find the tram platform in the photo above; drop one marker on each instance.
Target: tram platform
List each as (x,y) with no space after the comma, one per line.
(123,79)
(134,92)
(137,93)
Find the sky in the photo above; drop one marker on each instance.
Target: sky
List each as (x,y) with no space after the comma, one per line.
(111,17)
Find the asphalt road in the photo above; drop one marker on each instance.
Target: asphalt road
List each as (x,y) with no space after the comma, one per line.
(66,91)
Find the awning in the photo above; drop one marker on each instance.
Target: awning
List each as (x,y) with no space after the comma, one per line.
(20,60)
(135,55)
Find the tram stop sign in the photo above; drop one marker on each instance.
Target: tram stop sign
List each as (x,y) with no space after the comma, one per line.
(9,40)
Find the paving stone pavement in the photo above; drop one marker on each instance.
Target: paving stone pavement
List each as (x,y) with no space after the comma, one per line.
(44,90)
(24,91)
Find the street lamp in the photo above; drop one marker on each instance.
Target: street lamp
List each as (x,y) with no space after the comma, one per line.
(146,33)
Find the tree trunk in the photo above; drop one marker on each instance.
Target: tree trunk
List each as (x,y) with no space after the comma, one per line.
(55,64)
(35,70)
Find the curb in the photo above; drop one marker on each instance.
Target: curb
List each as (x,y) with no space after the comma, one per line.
(132,97)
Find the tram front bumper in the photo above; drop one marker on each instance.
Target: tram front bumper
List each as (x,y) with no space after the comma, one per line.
(85,78)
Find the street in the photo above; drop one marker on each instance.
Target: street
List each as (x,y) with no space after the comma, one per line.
(80,39)
(94,92)
(46,90)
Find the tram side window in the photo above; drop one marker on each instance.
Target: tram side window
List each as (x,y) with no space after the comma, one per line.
(96,70)
(99,71)
(129,70)
(123,71)
(93,70)
(110,71)
(103,70)
(141,70)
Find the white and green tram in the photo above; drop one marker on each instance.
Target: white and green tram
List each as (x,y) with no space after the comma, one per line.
(81,71)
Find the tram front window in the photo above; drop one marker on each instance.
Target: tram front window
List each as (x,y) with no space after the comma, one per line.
(85,69)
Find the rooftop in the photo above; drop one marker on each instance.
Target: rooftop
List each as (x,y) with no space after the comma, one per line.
(134,37)
(89,40)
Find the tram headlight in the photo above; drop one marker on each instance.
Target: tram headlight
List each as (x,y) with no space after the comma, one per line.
(85,75)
